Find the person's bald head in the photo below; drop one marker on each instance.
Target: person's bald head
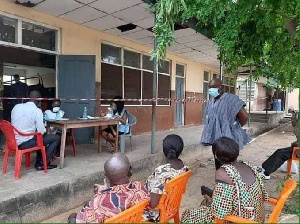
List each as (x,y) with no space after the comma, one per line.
(215,83)
(35,94)
(117,169)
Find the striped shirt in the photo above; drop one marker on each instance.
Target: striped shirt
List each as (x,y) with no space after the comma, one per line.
(221,121)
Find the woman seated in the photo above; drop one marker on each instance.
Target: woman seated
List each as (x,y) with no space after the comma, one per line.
(238,189)
(173,166)
(118,111)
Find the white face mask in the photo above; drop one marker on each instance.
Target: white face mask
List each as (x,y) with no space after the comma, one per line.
(55,109)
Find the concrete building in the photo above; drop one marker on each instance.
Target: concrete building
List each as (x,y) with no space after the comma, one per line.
(100,49)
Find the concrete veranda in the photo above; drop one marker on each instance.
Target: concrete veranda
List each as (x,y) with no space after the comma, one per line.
(63,189)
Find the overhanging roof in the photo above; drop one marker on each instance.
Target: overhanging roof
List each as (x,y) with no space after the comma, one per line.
(107,15)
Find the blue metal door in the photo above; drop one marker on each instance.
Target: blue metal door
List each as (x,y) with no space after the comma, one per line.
(76,79)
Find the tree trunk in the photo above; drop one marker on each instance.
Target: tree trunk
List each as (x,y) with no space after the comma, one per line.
(291,26)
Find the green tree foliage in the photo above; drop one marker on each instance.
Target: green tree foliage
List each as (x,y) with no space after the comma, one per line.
(262,33)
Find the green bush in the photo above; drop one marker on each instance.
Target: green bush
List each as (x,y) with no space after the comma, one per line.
(292,204)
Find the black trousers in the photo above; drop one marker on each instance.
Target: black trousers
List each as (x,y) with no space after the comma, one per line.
(277,159)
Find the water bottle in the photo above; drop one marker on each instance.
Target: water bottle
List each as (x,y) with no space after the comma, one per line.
(84,116)
(110,113)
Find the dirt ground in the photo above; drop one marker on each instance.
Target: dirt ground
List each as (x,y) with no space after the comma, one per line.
(203,173)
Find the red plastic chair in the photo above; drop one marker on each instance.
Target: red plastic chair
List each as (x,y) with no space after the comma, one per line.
(11,147)
(72,136)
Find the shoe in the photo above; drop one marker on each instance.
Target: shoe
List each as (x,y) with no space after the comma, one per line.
(264,176)
(49,167)
(258,169)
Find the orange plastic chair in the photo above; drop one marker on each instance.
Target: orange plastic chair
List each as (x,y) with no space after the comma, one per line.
(289,186)
(131,215)
(289,162)
(170,202)
(12,147)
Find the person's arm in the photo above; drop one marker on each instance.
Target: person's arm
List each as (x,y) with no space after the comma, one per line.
(94,211)
(12,91)
(113,130)
(39,122)
(223,195)
(155,186)
(124,118)
(26,90)
(222,176)
(46,115)
(242,116)
(154,199)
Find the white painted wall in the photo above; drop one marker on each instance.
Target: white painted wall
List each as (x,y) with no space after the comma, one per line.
(293,99)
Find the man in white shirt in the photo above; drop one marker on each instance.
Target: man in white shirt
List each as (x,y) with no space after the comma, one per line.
(28,118)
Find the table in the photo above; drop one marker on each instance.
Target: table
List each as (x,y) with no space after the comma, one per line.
(80,123)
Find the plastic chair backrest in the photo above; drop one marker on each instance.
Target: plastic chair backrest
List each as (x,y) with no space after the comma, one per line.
(289,186)
(130,215)
(169,203)
(131,119)
(295,153)
(8,130)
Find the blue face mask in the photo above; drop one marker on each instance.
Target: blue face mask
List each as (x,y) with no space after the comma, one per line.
(214,92)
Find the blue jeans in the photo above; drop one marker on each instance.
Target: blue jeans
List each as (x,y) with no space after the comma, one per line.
(50,141)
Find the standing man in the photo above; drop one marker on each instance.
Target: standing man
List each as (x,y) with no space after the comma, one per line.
(225,116)
(18,89)
(28,118)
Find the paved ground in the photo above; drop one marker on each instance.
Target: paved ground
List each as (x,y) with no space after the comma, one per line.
(203,172)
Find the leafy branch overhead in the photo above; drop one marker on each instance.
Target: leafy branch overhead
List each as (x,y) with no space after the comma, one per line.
(262,33)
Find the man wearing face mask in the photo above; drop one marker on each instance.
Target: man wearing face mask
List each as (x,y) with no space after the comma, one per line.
(115,195)
(225,116)
(28,118)
(55,114)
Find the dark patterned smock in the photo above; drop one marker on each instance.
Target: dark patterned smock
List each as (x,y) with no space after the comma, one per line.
(225,200)
(221,121)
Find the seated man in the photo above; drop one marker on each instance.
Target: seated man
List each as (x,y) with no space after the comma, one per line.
(280,155)
(28,118)
(55,114)
(113,197)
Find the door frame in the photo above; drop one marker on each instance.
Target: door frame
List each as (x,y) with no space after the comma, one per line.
(207,96)
(184,94)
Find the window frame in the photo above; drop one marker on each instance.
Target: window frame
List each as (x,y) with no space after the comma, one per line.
(206,81)
(18,35)
(141,69)
(228,85)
